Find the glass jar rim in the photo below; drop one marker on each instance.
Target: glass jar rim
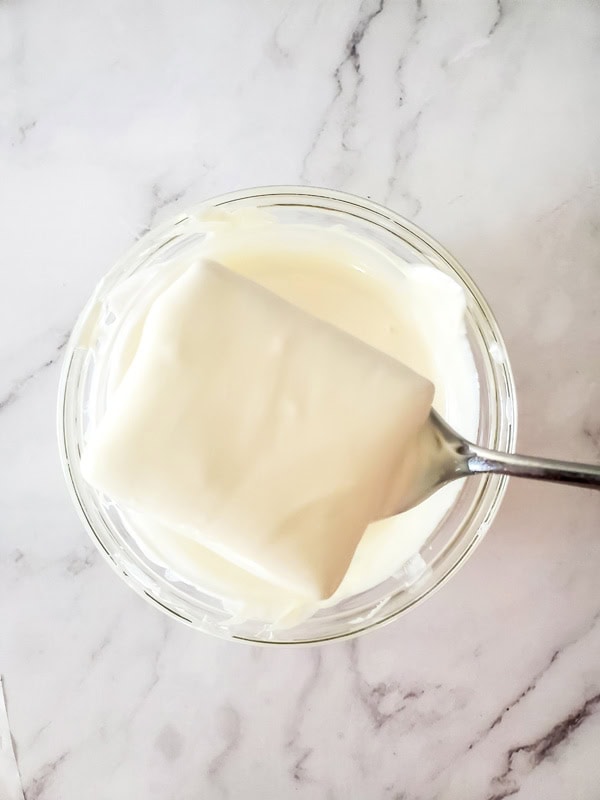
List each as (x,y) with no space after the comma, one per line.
(503,404)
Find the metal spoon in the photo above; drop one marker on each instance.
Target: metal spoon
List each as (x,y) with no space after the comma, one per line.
(445,456)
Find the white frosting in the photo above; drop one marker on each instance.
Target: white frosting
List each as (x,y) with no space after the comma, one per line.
(258,430)
(410,312)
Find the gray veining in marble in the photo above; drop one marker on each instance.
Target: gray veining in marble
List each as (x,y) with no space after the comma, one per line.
(479,120)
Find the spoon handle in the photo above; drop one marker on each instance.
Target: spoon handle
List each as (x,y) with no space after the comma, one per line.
(542,469)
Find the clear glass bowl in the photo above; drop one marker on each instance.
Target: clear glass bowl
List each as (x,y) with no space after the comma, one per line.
(449,545)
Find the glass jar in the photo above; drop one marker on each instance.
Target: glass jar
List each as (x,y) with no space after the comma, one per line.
(444,551)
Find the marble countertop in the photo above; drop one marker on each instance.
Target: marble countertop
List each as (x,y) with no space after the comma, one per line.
(479,120)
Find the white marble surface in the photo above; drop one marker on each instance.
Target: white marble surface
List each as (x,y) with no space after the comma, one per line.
(479,120)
